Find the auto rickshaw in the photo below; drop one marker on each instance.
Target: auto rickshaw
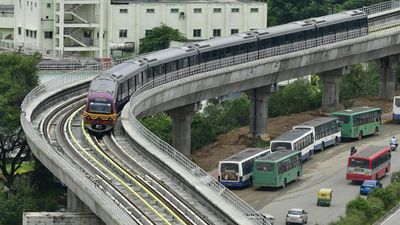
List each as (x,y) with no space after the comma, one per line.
(324,197)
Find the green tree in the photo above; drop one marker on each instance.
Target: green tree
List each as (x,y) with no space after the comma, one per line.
(159,124)
(13,204)
(299,96)
(159,38)
(18,76)
(363,80)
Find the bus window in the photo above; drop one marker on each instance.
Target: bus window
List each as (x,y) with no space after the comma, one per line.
(359,163)
(275,146)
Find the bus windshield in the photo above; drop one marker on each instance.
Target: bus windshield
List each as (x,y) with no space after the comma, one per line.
(100,107)
(359,163)
(344,119)
(275,146)
(264,167)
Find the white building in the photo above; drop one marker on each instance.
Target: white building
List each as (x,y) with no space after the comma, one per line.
(6,19)
(73,27)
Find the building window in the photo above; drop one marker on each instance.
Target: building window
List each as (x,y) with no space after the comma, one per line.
(197,33)
(123,10)
(197,10)
(123,33)
(48,5)
(27,33)
(47,17)
(35,4)
(217,33)
(147,33)
(217,10)
(48,52)
(234,31)
(48,34)
(27,3)
(150,10)
(19,30)
(254,10)
(235,10)
(174,10)
(34,34)
(31,33)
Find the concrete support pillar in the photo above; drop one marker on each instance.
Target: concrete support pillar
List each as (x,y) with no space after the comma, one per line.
(181,128)
(388,76)
(330,89)
(74,204)
(259,111)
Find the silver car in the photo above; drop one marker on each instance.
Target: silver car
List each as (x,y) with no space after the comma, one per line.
(298,216)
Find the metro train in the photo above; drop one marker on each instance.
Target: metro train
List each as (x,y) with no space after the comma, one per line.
(110,91)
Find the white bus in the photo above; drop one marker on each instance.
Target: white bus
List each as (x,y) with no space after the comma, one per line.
(326,131)
(300,139)
(237,170)
(396,108)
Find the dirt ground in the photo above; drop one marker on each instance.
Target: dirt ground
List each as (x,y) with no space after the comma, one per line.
(238,139)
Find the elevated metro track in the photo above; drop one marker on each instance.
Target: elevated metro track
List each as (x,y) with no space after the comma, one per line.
(174,90)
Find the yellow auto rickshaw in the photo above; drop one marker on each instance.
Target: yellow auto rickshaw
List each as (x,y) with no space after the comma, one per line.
(324,196)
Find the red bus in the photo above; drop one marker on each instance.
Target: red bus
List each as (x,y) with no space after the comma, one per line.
(370,163)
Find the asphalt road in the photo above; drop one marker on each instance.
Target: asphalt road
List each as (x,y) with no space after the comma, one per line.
(325,169)
(392,219)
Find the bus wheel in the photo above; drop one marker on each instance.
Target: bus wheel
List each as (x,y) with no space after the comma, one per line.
(376,177)
(376,131)
(284,184)
(360,135)
(322,146)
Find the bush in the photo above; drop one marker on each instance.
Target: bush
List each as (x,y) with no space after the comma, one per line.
(363,80)
(299,96)
(387,196)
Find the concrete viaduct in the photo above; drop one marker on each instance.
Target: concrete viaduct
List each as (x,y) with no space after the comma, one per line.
(256,78)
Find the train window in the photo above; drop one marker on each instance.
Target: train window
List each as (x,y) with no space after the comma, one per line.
(119,95)
(228,51)
(135,82)
(363,22)
(173,66)
(131,86)
(310,34)
(215,54)
(124,86)
(162,69)
(185,62)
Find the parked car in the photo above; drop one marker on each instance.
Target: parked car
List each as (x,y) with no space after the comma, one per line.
(297,216)
(369,185)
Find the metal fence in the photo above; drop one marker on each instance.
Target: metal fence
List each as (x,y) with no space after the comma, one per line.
(380,7)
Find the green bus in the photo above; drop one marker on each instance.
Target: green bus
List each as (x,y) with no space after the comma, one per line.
(359,121)
(277,169)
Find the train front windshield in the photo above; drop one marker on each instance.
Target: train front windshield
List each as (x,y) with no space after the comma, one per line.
(100,107)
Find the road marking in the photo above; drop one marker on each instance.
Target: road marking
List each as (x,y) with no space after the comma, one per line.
(390,217)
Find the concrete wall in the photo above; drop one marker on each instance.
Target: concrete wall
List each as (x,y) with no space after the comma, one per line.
(137,20)
(28,18)
(60,218)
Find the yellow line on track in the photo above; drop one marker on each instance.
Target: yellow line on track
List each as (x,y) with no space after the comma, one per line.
(121,170)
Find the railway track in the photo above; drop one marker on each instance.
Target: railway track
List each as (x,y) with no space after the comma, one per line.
(147,198)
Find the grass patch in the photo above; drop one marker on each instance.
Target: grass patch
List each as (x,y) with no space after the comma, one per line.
(26,167)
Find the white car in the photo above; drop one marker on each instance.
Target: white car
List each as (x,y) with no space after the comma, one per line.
(298,216)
